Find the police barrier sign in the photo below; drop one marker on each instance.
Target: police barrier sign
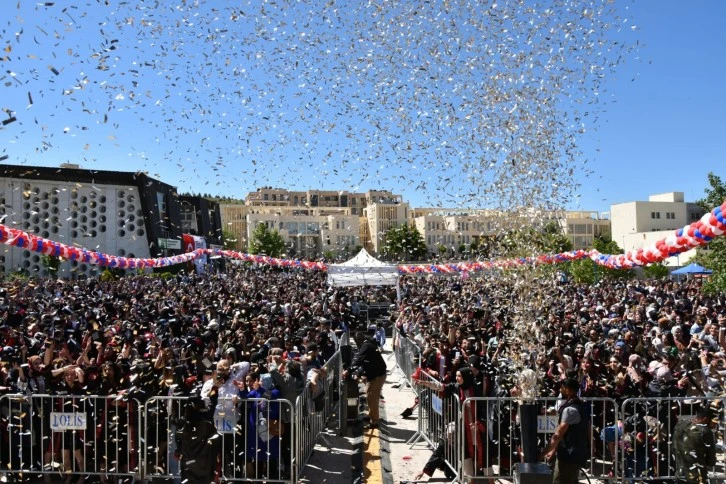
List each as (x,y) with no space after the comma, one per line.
(60,421)
(547,424)
(225,420)
(437,404)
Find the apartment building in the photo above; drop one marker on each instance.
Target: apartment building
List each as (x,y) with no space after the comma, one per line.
(309,232)
(118,213)
(582,227)
(452,228)
(641,223)
(315,221)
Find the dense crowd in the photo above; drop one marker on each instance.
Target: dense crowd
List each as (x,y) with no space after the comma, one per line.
(617,339)
(225,339)
(259,334)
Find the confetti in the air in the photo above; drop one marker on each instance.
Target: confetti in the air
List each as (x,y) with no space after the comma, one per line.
(478,103)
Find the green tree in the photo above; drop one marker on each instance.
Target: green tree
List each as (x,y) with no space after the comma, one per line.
(713,256)
(229,240)
(51,264)
(404,242)
(328,255)
(266,242)
(529,241)
(585,271)
(442,249)
(656,271)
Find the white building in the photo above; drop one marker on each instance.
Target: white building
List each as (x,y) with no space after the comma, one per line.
(118,213)
(642,223)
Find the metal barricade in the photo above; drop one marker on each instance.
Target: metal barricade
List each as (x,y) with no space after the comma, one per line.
(648,447)
(491,436)
(408,358)
(314,408)
(70,434)
(439,422)
(245,444)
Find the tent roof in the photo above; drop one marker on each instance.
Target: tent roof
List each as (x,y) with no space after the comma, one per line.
(363,259)
(363,270)
(692,269)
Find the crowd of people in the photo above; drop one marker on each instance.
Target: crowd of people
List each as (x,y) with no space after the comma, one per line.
(251,333)
(618,339)
(247,342)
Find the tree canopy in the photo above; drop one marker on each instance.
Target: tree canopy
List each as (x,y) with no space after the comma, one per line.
(266,242)
(713,256)
(404,243)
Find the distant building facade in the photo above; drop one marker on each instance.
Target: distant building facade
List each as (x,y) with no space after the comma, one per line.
(641,223)
(377,211)
(199,216)
(118,213)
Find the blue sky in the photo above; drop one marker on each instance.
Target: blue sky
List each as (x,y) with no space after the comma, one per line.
(219,97)
(665,131)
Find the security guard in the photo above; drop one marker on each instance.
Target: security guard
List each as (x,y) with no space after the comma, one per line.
(695,447)
(570,441)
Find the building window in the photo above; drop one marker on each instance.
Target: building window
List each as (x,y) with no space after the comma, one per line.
(655,215)
(296,200)
(354,211)
(265,196)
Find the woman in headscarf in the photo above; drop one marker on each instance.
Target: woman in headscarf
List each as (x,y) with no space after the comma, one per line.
(474,417)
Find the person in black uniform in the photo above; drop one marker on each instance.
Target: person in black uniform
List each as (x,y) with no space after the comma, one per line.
(570,442)
(369,363)
(695,447)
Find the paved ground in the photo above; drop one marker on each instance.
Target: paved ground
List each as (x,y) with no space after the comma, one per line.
(373,456)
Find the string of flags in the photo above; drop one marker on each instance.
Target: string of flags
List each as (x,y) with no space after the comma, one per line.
(698,233)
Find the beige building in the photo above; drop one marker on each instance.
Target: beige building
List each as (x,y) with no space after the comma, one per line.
(310,232)
(642,223)
(582,227)
(379,218)
(316,221)
(234,221)
(453,227)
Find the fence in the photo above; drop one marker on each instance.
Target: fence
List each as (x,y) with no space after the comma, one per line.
(314,408)
(617,451)
(408,357)
(78,434)
(492,447)
(648,445)
(251,439)
(439,423)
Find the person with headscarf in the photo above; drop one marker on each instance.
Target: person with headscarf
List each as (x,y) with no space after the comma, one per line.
(465,388)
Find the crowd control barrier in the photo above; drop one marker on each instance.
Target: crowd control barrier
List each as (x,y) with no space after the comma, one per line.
(648,445)
(249,442)
(314,408)
(439,423)
(492,435)
(69,434)
(408,357)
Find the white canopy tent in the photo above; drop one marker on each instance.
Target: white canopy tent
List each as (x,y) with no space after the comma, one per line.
(363,270)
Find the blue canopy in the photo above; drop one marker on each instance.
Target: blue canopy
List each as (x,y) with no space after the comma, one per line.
(692,269)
